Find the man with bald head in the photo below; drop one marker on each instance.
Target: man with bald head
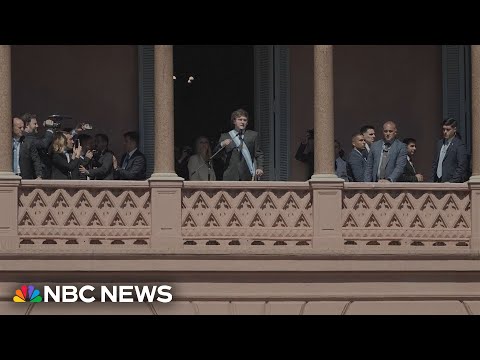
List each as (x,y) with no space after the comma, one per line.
(387,157)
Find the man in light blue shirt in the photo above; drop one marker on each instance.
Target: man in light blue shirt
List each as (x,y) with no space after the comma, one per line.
(17,133)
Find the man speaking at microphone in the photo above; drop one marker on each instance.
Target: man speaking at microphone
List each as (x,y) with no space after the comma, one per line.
(241,151)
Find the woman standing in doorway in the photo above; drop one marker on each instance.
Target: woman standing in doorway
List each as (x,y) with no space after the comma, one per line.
(199,166)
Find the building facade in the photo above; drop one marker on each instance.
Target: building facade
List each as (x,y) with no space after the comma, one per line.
(321,246)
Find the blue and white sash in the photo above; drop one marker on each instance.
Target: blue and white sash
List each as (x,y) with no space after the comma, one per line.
(245,152)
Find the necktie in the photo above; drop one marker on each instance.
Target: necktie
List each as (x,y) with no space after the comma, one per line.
(241,145)
(383,165)
(443,152)
(364,154)
(125,162)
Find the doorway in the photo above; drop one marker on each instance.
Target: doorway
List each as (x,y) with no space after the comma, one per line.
(211,81)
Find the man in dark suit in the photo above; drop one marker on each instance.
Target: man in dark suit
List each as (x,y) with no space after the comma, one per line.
(409,173)
(243,157)
(368,132)
(356,160)
(133,165)
(29,159)
(450,161)
(305,152)
(387,157)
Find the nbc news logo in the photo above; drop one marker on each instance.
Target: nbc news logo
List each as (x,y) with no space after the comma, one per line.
(86,294)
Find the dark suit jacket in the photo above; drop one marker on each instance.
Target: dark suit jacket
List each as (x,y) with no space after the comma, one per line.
(306,158)
(61,168)
(356,166)
(75,173)
(454,166)
(102,167)
(136,167)
(408,174)
(29,159)
(235,166)
(43,146)
(397,158)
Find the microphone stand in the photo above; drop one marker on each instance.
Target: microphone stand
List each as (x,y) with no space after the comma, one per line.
(208,162)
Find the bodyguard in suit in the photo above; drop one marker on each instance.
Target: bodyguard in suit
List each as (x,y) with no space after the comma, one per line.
(25,151)
(133,165)
(356,160)
(409,173)
(387,157)
(242,155)
(368,132)
(450,161)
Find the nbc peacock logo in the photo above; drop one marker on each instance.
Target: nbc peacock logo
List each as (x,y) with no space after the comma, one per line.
(27,294)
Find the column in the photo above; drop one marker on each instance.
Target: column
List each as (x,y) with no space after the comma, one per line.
(323,112)
(474,182)
(166,186)
(164,112)
(5,112)
(326,186)
(8,181)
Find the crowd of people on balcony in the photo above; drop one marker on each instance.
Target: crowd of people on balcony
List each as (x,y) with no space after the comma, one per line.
(392,160)
(71,154)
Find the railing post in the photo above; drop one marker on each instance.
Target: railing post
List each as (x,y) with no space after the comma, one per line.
(327,214)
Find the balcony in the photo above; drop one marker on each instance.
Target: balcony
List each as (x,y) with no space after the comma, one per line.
(251,247)
(244,217)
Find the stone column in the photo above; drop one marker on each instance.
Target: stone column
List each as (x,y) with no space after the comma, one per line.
(475,179)
(8,181)
(323,112)
(164,112)
(5,113)
(326,186)
(166,186)
(476,112)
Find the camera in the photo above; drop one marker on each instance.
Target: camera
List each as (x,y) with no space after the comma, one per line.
(51,124)
(54,121)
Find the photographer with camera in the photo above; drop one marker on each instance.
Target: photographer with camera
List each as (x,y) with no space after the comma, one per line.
(40,142)
(63,162)
(305,152)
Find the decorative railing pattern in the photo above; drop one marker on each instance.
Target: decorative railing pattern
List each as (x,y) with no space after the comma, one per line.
(69,213)
(244,214)
(406,215)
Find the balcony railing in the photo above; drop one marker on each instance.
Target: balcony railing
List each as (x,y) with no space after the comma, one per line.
(244,216)
(247,214)
(406,215)
(76,213)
